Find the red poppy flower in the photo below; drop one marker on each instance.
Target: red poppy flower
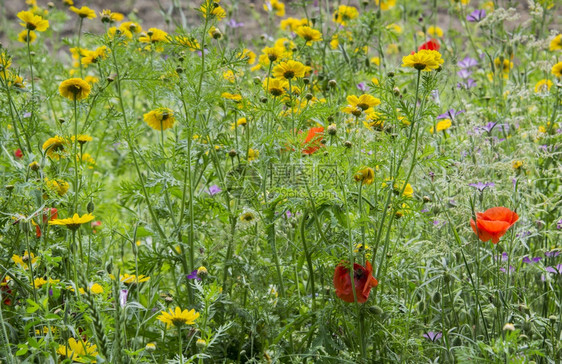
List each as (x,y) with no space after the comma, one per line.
(493,223)
(432,45)
(6,292)
(18,153)
(363,278)
(313,140)
(48,214)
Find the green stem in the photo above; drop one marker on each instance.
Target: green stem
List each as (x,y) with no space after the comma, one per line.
(308,261)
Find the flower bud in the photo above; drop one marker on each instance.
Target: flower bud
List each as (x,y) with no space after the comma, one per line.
(61,120)
(34,166)
(390,74)
(436,298)
(150,347)
(90,207)
(332,83)
(179,69)
(306,80)
(216,34)
(201,344)
(309,96)
(232,153)
(202,272)
(332,129)
(9,188)
(263,100)
(509,326)
(347,144)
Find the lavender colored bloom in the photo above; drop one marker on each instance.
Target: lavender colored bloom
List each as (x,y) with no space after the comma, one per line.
(193,275)
(511,269)
(26,114)
(527,260)
(464,73)
(514,182)
(450,114)
(555,270)
(289,214)
(476,16)
(234,24)
(424,211)
(552,253)
(467,62)
(523,234)
(559,224)
(470,83)
(480,186)
(362,86)
(204,50)
(433,336)
(489,127)
(123,297)
(214,189)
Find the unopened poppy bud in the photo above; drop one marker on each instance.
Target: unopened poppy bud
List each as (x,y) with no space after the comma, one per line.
(309,96)
(436,298)
(332,129)
(90,207)
(9,187)
(390,74)
(232,153)
(332,83)
(447,277)
(376,310)
(347,144)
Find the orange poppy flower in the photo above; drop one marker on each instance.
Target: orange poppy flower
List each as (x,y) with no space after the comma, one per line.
(493,223)
(313,140)
(432,45)
(363,278)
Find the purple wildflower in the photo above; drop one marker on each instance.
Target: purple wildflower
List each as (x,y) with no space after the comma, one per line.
(234,24)
(450,114)
(467,62)
(193,275)
(214,189)
(552,253)
(555,270)
(523,234)
(527,260)
(26,114)
(464,73)
(289,214)
(559,224)
(362,86)
(433,336)
(424,211)
(511,269)
(123,297)
(476,16)
(480,186)
(470,83)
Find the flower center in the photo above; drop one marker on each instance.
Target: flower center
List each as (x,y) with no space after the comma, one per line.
(419,66)
(289,74)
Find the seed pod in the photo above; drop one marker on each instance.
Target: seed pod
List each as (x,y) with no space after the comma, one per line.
(376,310)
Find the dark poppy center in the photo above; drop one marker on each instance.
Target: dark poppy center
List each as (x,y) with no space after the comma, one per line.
(289,74)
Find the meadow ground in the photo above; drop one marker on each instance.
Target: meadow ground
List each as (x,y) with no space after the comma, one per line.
(280,182)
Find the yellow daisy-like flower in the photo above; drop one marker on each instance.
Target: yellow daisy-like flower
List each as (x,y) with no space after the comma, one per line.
(273,53)
(133,279)
(212,9)
(442,125)
(363,102)
(247,54)
(32,21)
(503,66)
(75,89)
(95,56)
(191,43)
(556,43)
(39,282)
(289,70)
(24,259)
(154,35)
(517,164)
(374,120)
(239,122)
(160,119)
(55,147)
(247,217)
(107,16)
(274,6)
(408,191)
(424,60)
(178,318)
(84,12)
(78,351)
(74,222)
(309,34)
(366,176)
(82,138)
(386,4)
(344,14)
(253,154)
(435,31)
(275,86)
(292,23)
(543,86)
(22,36)
(96,288)
(5,61)
(131,27)
(395,28)
(557,69)
(58,186)
(233,97)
